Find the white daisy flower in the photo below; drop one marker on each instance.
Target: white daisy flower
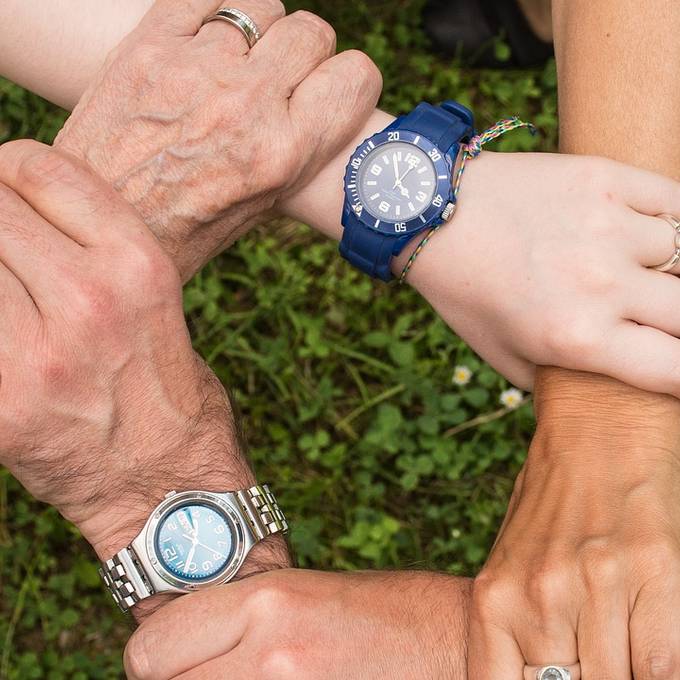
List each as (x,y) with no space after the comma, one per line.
(461,375)
(511,398)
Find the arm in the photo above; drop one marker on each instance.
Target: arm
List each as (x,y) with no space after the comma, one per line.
(593,521)
(155,165)
(307,624)
(37,52)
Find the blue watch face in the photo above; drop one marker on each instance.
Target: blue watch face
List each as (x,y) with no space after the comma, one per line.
(398,183)
(195,542)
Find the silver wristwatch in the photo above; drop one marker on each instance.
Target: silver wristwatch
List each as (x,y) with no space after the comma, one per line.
(193,540)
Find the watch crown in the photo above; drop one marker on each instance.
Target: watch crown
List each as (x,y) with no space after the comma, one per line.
(448,211)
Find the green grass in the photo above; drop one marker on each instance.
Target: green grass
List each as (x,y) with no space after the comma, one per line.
(345,387)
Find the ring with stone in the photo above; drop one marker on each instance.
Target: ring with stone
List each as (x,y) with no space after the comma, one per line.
(553,672)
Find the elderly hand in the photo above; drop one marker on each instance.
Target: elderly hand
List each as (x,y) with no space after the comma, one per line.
(587,564)
(203,136)
(104,406)
(294,624)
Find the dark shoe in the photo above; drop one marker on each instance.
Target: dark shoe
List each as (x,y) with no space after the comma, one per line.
(469,28)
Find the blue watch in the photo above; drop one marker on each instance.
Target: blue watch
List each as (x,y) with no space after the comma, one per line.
(400,182)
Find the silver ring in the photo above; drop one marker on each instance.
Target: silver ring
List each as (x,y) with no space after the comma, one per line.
(241,20)
(675,223)
(553,672)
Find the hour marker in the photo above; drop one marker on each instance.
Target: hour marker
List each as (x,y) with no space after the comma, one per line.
(411,207)
(375,196)
(425,183)
(398,209)
(377,223)
(371,183)
(416,140)
(422,170)
(386,160)
(398,155)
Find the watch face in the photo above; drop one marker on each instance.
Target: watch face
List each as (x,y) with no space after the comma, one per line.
(194,542)
(397,182)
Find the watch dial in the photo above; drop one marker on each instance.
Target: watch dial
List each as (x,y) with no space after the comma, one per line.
(397,182)
(195,542)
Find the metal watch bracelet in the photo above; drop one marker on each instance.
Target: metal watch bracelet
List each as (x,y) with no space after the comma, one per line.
(126,580)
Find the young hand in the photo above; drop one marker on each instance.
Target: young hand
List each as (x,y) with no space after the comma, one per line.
(292,624)
(203,136)
(586,565)
(546,262)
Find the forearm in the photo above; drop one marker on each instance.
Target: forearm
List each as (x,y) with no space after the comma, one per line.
(55,48)
(618,98)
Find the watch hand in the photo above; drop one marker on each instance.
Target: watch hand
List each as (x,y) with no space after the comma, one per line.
(207,547)
(397,181)
(190,557)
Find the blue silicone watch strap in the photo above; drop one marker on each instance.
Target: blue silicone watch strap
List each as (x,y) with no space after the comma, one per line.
(446,126)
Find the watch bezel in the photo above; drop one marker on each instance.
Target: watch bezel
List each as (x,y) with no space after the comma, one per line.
(232,566)
(431,215)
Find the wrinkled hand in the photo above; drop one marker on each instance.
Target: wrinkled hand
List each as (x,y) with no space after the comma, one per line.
(104,406)
(587,564)
(296,624)
(203,136)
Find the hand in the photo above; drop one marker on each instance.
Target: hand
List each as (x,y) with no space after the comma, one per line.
(202,136)
(544,263)
(304,624)
(104,406)
(587,564)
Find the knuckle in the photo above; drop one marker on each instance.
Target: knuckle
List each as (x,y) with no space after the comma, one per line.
(276,9)
(44,166)
(659,666)
(548,588)
(570,340)
(601,568)
(282,662)
(318,30)
(147,269)
(364,70)
(272,597)
(492,594)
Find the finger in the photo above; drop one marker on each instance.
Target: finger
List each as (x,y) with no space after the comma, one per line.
(31,248)
(216,622)
(16,307)
(653,239)
(66,193)
(603,642)
(548,640)
(645,191)
(493,653)
(237,664)
(334,102)
(293,47)
(169,18)
(655,630)
(264,14)
(639,356)
(655,301)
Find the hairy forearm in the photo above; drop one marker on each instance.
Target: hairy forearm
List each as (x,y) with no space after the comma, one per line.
(618,98)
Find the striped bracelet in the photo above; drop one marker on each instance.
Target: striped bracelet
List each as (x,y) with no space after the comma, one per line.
(470,150)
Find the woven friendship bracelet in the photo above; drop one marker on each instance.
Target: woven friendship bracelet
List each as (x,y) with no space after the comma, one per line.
(470,150)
